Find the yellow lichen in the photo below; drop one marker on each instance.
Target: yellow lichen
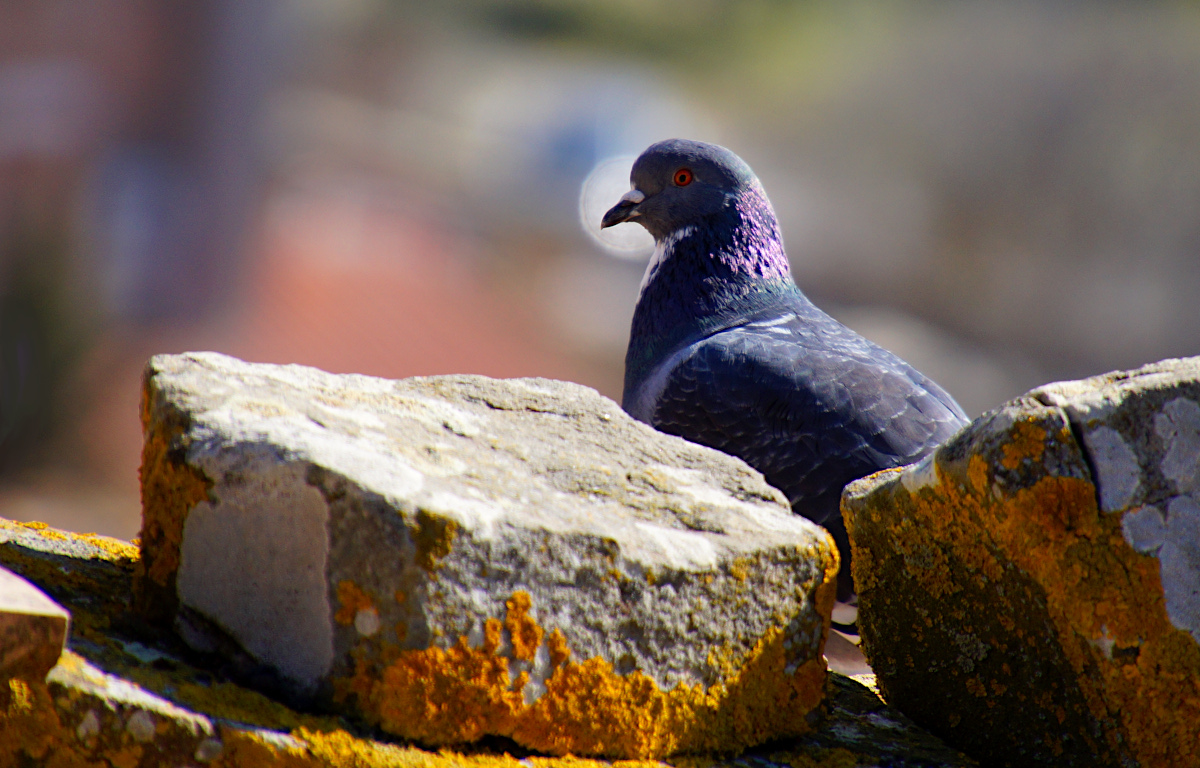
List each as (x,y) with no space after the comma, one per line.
(458,694)
(229,702)
(44,529)
(338,748)
(821,758)
(243,749)
(20,695)
(723,659)
(117,549)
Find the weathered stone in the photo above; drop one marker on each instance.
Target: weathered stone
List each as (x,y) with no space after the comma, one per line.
(1030,592)
(97,706)
(81,715)
(87,574)
(453,557)
(860,730)
(33,628)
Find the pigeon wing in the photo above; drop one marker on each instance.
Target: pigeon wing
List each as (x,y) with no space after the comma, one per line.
(807,402)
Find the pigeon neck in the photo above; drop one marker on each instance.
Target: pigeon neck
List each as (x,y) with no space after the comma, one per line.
(705,277)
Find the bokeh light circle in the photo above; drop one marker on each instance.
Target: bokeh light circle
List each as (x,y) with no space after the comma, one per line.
(601,190)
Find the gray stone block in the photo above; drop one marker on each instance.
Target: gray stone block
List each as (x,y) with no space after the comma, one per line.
(452,557)
(1031,591)
(1140,432)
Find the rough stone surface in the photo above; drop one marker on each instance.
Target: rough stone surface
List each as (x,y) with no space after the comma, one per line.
(33,628)
(97,706)
(1030,592)
(1141,436)
(454,557)
(125,695)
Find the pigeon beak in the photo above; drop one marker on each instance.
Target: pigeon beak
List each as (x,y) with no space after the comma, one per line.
(624,210)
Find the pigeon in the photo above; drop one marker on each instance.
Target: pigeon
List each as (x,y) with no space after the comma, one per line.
(726,351)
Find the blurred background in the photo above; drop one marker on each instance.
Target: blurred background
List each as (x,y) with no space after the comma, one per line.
(1005,194)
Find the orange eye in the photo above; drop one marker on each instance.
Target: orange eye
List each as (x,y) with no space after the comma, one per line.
(683,177)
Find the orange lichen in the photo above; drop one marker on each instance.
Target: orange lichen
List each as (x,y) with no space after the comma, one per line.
(352,600)
(459,694)
(447,696)
(525,633)
(41,726)
(977,473)
(1029,442)
(557,644)
(129,757)
(588,708)
(170,489)
(1095,587)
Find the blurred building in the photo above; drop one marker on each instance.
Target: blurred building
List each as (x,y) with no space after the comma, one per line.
(1004,194)
(129,168)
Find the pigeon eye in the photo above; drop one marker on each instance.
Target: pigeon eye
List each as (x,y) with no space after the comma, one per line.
(683,177)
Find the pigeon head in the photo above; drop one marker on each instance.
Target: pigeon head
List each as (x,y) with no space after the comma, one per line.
(718,254)
(676,183)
